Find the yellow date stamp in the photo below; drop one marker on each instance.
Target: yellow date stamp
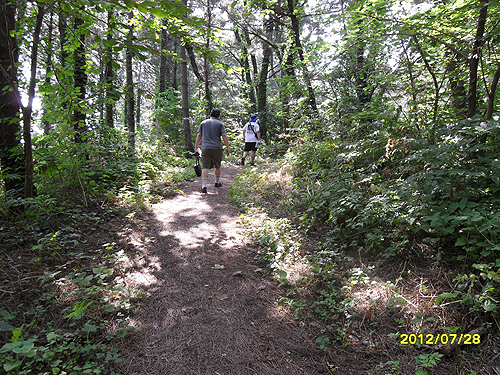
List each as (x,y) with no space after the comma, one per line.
(440,338)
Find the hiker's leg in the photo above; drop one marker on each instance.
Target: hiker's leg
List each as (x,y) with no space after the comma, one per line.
(253,156)
(217,156)
(204,177)
(205,163)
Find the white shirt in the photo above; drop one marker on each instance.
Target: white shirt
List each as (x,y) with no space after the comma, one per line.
(251,135)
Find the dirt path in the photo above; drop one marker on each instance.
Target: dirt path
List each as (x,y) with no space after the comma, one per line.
(207,311)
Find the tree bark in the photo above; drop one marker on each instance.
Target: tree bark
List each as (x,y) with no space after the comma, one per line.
(262,84)
(130,88)
(28,151)
(491,94)
(248,90)
(48,63)
(10,103)
(110,74)
(80,80)
(300,50)
(474,59)
(458,91)
(162,86)
(206,63)
(188,141)
(192,59)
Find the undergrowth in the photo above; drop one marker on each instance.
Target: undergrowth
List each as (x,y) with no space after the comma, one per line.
(362,220)
(64,298)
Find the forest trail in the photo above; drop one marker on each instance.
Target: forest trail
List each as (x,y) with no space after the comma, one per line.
(207,310)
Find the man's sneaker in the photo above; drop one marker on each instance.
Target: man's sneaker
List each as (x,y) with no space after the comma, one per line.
(203,190)
(218,184)
(252,164)
(242,161)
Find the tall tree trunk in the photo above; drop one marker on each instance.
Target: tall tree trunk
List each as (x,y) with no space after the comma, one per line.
(361,75)
(139,97)
(10,103)
(298,45)
(80,79)
(262,84)
(288,73)
(174,69)
(458,91)
(491,94)
(188,141)
(162,86)
(194,65)
(130,88)
(475,56)
(248,91)
(208,93)
(48,63)
(28,152)
(109,74)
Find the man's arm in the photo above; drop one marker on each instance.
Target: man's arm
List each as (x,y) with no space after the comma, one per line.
(198,140)
(226,141)
(258,135)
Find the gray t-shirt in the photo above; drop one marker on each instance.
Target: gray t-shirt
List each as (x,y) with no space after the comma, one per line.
(211,132)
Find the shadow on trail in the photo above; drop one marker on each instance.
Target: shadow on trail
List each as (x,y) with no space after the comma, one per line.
(206,310)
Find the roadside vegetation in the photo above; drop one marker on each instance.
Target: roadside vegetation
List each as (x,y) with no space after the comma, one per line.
(384,237)
(64,297)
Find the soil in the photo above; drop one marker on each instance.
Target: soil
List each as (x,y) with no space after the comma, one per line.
(208,308)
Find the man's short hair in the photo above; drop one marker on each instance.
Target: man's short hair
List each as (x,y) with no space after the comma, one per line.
(215,112)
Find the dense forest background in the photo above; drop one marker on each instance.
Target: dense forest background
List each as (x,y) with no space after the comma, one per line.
(381,132)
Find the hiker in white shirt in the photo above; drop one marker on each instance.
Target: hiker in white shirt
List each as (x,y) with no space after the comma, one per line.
(251,136)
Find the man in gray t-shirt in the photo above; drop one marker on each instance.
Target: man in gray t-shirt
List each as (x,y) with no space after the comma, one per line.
(211,131)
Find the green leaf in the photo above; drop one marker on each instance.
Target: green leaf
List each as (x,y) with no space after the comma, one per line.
(158,13)
(89,328)
(443,296)
(11,366)
(4,326)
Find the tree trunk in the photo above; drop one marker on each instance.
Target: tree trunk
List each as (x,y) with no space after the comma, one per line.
(130,89)
(28,151)
(194,65)
(262,84)
(248,72)
(80,79)
(208,93)
(48,63)
(474,60)
(248,90)
(174,69)
(296,34)
(162,86)
(458,91)
(188,141)
(64,56)
(361,75)
(10,102)
(491,94)
(110,74)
